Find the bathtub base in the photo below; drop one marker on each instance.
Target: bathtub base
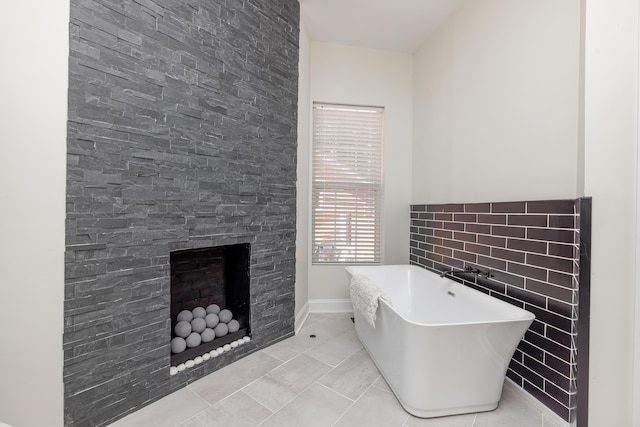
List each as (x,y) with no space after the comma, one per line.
(420,413)
(443,348)
(423,392)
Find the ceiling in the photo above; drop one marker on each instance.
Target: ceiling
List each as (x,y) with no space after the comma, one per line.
(397,25)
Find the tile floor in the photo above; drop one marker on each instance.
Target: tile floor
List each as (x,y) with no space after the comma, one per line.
(324,381)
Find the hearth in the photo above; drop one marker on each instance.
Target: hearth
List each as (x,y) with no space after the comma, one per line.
(209,301)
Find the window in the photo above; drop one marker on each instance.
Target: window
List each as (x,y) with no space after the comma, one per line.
(346,184)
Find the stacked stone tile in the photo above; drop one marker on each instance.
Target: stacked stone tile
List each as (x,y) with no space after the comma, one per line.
(181,134)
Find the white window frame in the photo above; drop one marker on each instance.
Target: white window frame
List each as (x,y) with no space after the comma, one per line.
(347,184)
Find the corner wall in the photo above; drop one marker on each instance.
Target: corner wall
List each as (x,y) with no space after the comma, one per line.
(496,104)
(611,168)
(497,109)
(302,183)
(33,78)
(600,159)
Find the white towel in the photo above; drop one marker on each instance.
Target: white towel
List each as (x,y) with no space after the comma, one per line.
(365,295)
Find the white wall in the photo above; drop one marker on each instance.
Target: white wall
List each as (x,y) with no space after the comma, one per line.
(352,75)
(611,167)
(496,104)
(302,207)
(499,87)
(32,178)
(33,80)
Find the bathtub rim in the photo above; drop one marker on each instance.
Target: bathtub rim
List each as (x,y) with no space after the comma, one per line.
(526,314)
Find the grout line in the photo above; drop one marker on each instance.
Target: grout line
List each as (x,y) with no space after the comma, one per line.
(512,262)
(354,403)
(545,393)
(407,417)
(193,416)
(287,402)
(266,419)
(306,388)
(296,396)
(202,398)
(333,390)
(547,351)
(544,377)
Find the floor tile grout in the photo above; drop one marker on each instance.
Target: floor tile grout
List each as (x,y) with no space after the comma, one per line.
(354,402)
(328,328)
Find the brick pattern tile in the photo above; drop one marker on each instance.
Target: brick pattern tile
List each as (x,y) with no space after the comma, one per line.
(531,250)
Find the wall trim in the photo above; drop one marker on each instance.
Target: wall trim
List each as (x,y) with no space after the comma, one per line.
(635,385)
(584,313)
(635,369)
(547,414)
(301,317)
(635,415)
(330,306)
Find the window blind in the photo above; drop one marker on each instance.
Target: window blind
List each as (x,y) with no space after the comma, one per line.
(347,184)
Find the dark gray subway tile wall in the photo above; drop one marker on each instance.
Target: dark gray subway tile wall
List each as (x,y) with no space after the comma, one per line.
(181,134)
(531,249)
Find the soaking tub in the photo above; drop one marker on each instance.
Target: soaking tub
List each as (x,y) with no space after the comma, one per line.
(442,347)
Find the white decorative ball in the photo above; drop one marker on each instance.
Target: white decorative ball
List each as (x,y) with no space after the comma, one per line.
(194,340)
(206,356)
(225,316)
(227,347)
(178,345)
(182,329)
(208,335)
(240,341)
(221,330)
(220,350)
(234,326)
(185,315)
(233,344)
(214,353)
(212,320)
(189,364)
(247,338)
(181,367)
(198,324)
(199,312)
(173,370)
(198,360)
(213,308)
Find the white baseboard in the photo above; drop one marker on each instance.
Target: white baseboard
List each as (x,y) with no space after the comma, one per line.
(547,414)
(330,306)
(301,317)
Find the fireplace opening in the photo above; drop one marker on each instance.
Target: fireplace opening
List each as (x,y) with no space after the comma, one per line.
(209,299)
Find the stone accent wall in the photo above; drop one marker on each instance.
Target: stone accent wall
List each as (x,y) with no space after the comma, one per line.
(181,134)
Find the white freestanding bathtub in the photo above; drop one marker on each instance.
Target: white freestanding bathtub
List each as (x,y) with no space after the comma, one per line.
(442,347)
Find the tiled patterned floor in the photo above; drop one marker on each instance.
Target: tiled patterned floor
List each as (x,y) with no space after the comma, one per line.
(324,381)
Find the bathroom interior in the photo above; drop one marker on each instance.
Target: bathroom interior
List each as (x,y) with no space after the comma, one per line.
(164,127)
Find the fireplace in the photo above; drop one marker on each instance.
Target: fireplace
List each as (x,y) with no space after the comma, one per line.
(208,283)
(177,141)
